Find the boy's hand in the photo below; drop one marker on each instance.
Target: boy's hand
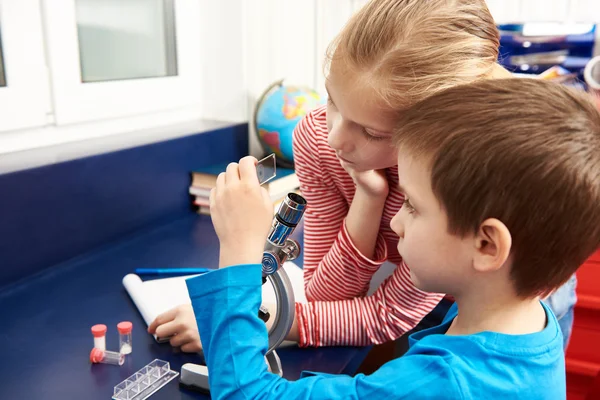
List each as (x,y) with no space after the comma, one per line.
(241,212)
(179,323)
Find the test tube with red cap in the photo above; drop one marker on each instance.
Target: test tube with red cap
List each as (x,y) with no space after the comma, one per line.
(99,332)
(106,357)
(125,328)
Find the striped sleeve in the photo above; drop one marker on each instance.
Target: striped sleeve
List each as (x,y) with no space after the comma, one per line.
(334,269)
(395,308)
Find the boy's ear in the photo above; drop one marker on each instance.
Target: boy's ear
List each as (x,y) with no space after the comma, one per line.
(492,245)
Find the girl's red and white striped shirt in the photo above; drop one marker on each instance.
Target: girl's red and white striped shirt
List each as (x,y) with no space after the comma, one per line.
(336,274)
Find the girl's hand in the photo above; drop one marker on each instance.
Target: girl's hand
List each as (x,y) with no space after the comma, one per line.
(179,324)
(373,183)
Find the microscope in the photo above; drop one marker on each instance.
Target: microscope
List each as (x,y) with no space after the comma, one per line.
(278,249)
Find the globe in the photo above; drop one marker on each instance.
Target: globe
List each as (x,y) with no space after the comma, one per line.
(277,112)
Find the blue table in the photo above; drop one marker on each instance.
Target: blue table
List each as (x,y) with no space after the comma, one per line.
(45,322)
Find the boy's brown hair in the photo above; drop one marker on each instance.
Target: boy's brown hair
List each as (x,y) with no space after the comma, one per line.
(524,151)
(409,49)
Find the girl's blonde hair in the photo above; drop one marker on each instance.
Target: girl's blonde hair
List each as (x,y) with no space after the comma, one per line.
(410,49)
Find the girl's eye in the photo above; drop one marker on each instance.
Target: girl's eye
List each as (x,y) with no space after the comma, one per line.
(371,137)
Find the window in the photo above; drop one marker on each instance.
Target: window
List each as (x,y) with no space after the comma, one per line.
(118,58)
(2,74)
(24,99)
(114,46)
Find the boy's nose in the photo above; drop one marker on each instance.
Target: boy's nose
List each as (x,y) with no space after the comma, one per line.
(397,225)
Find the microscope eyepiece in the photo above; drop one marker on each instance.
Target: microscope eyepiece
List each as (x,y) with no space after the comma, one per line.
(291,210)
(279,247)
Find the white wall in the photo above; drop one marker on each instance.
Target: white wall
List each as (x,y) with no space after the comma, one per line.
(280,38)
(224,71)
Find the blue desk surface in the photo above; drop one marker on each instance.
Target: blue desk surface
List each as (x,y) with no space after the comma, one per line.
(45,322)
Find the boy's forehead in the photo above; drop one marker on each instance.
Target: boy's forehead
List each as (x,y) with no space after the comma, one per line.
(408,163)
(414,181)
(413,172)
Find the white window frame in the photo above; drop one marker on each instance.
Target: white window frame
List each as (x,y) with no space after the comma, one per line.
(76,102)
(25,100)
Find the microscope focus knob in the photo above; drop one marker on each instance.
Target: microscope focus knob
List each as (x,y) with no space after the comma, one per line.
(270,263)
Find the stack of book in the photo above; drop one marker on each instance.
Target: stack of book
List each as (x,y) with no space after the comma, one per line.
(204,179)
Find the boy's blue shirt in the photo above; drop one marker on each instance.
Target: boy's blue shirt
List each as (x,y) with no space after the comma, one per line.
(486,365)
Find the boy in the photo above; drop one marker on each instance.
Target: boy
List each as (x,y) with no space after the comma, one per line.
(502,178)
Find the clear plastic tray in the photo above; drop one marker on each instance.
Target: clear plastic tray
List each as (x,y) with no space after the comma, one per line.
(145,382)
